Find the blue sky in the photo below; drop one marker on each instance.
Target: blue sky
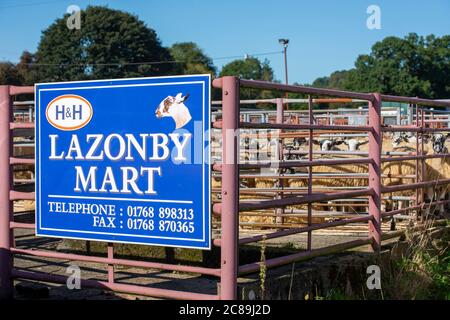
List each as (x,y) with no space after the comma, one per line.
(324,35)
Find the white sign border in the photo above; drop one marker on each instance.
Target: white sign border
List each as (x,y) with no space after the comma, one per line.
(106,86)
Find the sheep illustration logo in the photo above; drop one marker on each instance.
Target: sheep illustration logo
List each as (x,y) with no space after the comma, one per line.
(174,107)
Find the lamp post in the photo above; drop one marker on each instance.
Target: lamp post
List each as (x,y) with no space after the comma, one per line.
(284,43)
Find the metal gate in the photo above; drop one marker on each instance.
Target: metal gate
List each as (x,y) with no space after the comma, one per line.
(228,209)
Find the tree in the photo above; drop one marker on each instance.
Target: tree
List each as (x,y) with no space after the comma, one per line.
(191,59)
(437,65)
(336,80)
(109,44)
(412,66)
(394,66)
(27,69)
(9,74)
(250,69)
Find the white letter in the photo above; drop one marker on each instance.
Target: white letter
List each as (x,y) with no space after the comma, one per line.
(53,156)
(84,181)
(180,146)
(109,179)
(90,154)
(74,146)
(157,145)
(129,181)
(374,21)
(141,149)
(374,280)
(121,146)
(74,20)
(74,280)
(150,178)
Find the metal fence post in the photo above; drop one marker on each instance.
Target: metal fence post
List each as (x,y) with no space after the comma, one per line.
(280,119)
(375,144)
(310,168)
(230,189)
(6,286)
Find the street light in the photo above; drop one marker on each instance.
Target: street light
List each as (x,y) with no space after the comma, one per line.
(284,43)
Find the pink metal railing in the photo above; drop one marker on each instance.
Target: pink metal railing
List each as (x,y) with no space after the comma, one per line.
(7,224)
(227,208)
(230,205)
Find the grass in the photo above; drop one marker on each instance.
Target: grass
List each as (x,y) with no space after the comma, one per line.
(333,294)
(423,273)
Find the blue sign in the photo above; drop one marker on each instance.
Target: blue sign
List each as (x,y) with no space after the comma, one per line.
(124,160)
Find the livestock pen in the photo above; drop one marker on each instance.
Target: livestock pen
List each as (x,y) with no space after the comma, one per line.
(279,194)
(231,205)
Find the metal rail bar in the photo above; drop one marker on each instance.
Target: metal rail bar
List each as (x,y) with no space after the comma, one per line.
(304,213)
(292,164)
(319,175)
(290,100)
(119,287)
(21,125)
(413,129)
(416,185)
(416,207)
(357,153)
(275,262)
(302,89)
(313,227)
(424,102)
(116,261)
(16,160)
(287,126)
(416,157)
(17,195)
(21,225)
(265,204)
(16,90)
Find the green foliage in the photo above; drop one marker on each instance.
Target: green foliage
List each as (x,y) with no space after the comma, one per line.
(289,245)
(106,41)
(26,69)
(334,294)
(424,271)
(9,74)
(263,268)
(336,80)
(438,268)
(191,59)
(413,66)
(250,69)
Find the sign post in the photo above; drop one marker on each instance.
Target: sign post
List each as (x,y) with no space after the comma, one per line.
(124,161)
